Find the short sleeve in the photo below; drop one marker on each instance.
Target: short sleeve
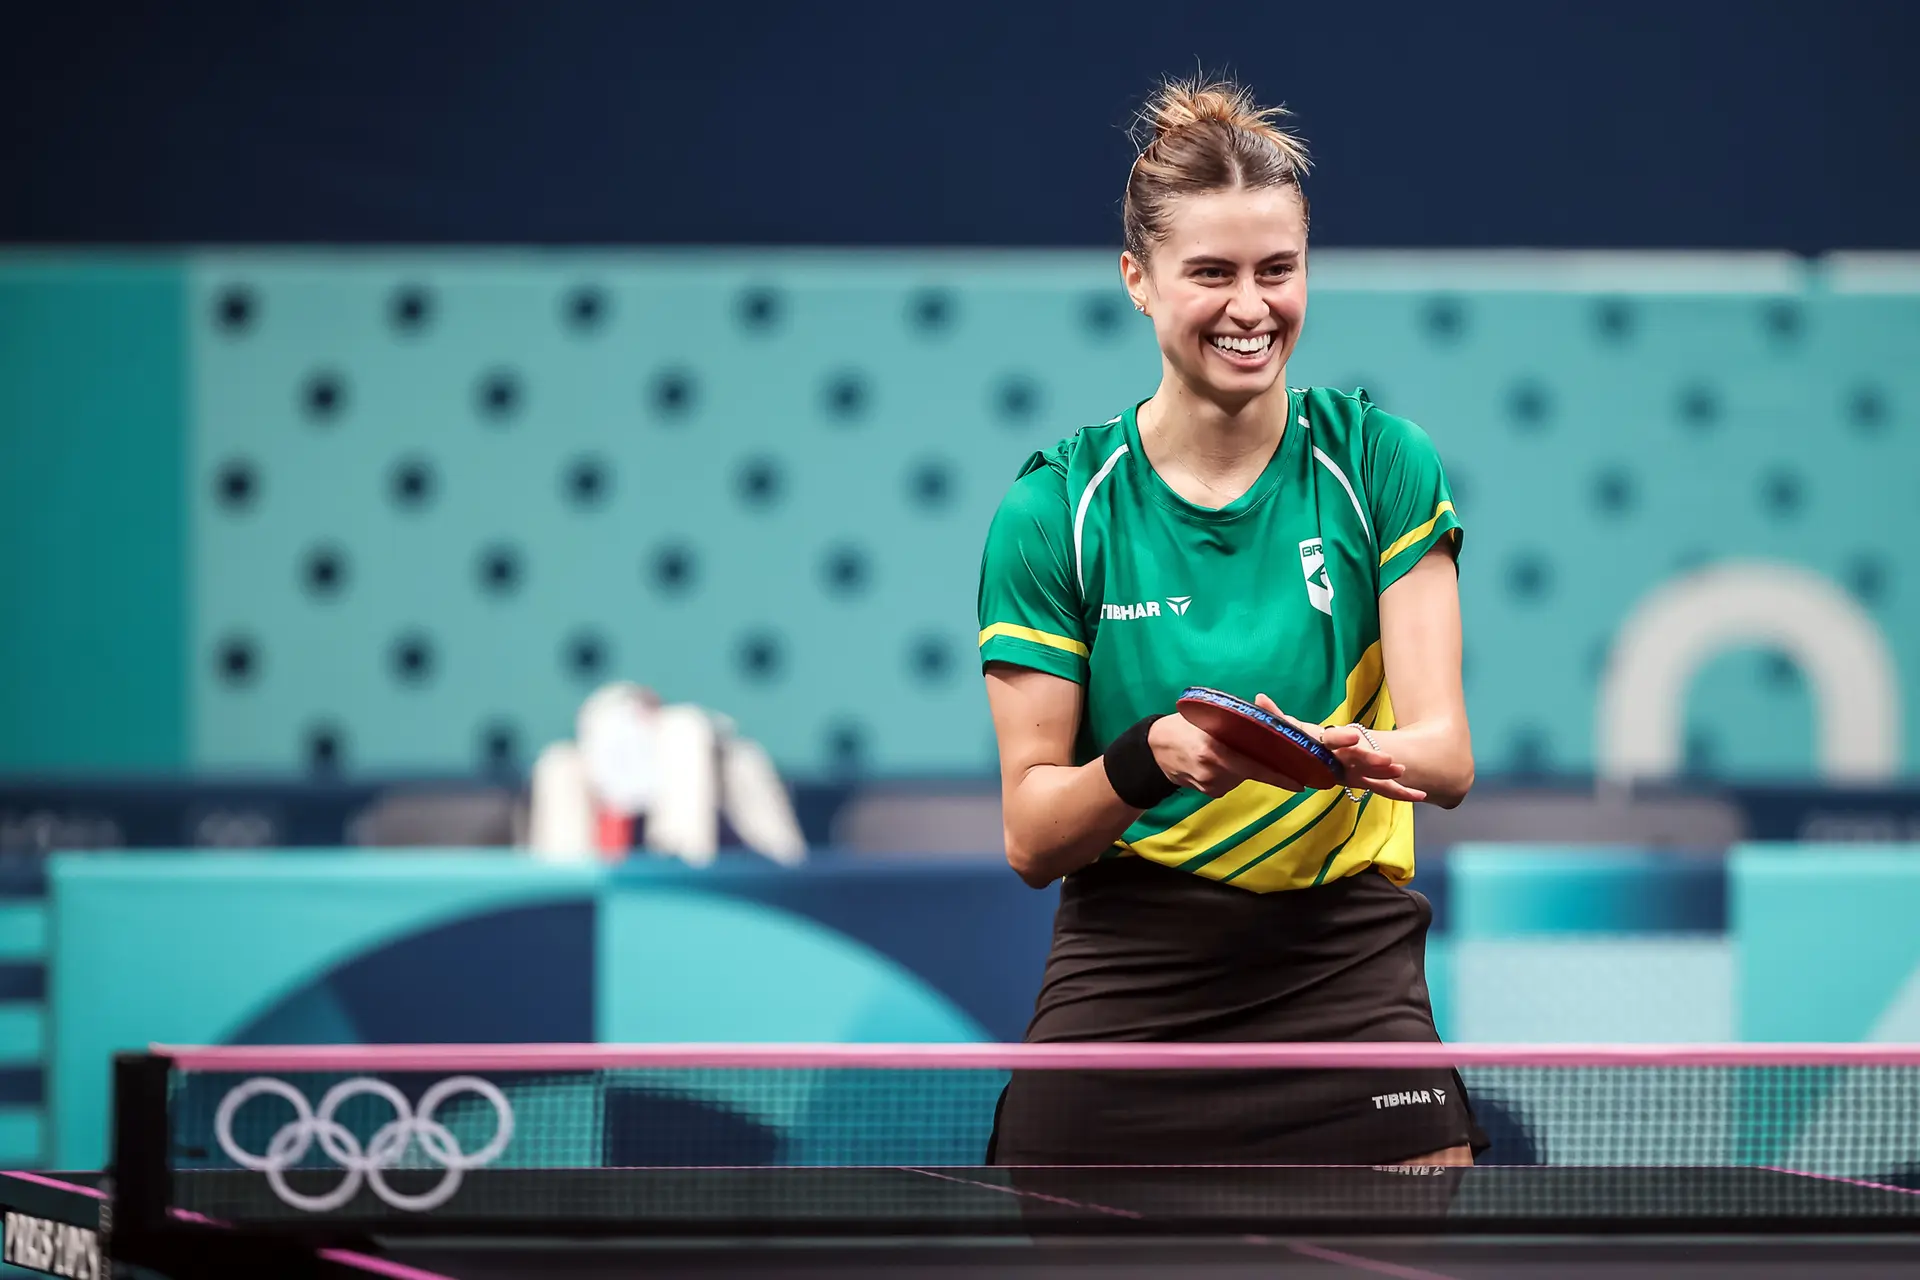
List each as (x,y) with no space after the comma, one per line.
(1029,605)
(1407,491)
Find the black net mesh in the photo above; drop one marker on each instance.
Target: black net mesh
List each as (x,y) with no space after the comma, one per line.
(902,1150)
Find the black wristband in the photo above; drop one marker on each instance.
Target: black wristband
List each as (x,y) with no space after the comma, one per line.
(1133,773)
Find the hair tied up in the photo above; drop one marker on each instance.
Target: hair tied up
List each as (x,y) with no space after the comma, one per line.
(1199,135)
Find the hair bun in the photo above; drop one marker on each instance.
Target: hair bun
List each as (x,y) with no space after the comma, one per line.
(1183,104)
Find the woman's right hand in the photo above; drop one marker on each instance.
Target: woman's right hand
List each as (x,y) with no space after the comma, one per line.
(1192,757)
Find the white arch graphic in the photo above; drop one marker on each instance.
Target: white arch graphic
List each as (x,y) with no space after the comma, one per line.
(1685,622)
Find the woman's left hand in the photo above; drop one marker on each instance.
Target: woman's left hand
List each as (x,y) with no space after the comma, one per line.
(1367,768)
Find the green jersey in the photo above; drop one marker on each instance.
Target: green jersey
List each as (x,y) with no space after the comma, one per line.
(1098,572)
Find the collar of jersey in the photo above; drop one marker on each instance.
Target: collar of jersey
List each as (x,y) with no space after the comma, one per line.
(1267,481)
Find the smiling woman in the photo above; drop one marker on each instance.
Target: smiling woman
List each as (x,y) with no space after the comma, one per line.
(1207,897)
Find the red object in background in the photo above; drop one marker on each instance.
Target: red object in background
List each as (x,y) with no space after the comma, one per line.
(613,834)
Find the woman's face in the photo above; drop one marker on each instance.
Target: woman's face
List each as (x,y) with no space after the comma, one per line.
(1227,290)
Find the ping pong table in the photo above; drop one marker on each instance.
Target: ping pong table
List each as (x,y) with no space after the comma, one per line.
(1484,1222)
(486,1162)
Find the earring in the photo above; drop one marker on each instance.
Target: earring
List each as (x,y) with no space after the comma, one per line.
(1137,307)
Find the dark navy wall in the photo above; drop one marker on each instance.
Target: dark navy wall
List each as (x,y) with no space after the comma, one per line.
(1686,123)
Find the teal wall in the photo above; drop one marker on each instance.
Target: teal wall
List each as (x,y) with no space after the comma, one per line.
(93,533)
(399,511)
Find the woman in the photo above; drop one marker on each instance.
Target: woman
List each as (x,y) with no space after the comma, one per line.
(1234,532)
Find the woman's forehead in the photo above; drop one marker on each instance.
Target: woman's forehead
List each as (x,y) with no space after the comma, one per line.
(1237,224)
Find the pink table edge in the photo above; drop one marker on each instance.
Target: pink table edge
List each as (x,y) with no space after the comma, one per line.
(592,1057)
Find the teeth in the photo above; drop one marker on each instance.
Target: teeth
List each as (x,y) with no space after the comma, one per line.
(1245,346)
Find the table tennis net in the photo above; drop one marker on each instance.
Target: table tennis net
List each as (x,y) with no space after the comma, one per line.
(251,1140)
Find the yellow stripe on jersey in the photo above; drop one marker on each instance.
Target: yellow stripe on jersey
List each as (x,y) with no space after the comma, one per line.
(1038,637)
(1407,540)
(1254,810)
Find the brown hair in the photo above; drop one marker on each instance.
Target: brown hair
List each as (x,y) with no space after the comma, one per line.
(1204,136)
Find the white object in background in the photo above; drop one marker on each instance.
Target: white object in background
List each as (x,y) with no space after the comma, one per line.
(618,739)
(1687,621)
(677,767)
(685,817)
(562,826)
(756,803)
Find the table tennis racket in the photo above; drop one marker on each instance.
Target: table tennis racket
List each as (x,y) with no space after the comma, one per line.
(1262,736)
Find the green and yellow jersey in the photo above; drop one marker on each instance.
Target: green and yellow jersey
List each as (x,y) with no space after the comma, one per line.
(1096,571)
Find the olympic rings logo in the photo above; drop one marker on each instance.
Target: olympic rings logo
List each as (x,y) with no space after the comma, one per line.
(369,1164)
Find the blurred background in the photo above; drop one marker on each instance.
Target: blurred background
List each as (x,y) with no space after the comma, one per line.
(376,384)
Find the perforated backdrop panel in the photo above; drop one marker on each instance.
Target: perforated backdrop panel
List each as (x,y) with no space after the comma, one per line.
(437,497)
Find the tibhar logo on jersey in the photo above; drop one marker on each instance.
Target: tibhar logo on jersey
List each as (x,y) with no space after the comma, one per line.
(1145,609)
(1313,565)
(1408,1098)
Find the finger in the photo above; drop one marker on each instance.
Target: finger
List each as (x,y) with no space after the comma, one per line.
(1268,705)
(1390,789)
(1372,765)
(1338,737)
(1362,756)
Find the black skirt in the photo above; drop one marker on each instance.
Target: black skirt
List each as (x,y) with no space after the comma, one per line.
(1145,953)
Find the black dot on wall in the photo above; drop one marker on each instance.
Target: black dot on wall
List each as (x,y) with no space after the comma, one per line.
(844,571)
(1782,493)
(1779,671)
(1530,752)
(929,659)
(586,482)
(759,656)
(931,311)
(673,394)
(1614,320)
(236,484)
(324,396)
(412,483)
(759,309)
(585,308)
(846,743)
(760,482)
(930,484)
(500,569)
(324,571)
(586,655)
(410,309)
(1614,492)
(1867,409)
(499,395)
(845,396)
(411,658)
(1701,753)
(499,746)
(1529,576)
(1698,406)
(236,308)
(236,661)
(1017,399)
(1444,320)
(1782,321)
(1101,316)
(1529,404)
(672,569)
(326,748)
(1866,576)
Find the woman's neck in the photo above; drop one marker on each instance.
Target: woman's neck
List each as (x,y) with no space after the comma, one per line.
(1208,453)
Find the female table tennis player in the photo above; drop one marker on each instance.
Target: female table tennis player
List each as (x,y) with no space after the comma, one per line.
(1229,531)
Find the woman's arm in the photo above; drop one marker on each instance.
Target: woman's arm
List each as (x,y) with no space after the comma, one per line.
(1420,646)
(1057,816)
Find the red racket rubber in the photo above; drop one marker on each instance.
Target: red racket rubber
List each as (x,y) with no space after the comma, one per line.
(1262,736)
